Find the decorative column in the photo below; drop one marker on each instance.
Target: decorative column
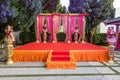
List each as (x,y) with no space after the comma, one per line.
(44,37)
(76,31)
(9,50)
(111,48)
(45,33)
(36,30)
(84,25)
(9,40)
(68,29)
(111,42)
(76,37)
(54,34)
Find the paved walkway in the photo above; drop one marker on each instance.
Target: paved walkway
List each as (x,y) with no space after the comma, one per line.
(84,71)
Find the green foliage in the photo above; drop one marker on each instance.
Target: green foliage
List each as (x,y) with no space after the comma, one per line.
(59,7)
(22,13)
(27,36)
(50,6)
(27,12)
(2,33)
(98,10)
(100,39)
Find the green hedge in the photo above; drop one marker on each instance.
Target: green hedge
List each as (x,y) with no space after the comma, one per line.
(100,39)
(27,37)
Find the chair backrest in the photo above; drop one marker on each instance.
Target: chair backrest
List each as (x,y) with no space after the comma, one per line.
(61,36)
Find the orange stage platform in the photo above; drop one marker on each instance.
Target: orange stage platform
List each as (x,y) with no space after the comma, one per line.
(55,53)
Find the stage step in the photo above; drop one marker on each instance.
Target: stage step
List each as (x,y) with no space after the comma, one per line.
(60,56)
(61,60)
(60,53)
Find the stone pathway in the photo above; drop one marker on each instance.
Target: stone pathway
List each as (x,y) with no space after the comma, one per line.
(84,71)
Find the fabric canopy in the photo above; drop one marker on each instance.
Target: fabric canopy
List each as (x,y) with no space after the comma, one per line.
(54,21)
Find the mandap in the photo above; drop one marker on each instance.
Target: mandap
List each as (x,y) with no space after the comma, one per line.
(54,23)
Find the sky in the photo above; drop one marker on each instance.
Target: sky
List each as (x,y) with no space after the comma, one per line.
(116,3)
(66,3)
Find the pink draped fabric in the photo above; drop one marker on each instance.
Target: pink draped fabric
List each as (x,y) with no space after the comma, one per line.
(56,24)
(118,42)
(71,27)
(39,27)
(54,21)
(65,25)
(118,45)
(50,26)
(40,23)
(80,20)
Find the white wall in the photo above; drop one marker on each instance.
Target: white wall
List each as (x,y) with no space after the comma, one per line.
(117,13)
(103,28)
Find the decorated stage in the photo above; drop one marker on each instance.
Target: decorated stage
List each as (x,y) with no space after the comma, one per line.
(60,55)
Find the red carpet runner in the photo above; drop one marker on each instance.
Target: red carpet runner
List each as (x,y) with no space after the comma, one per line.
(60,60)
(60,56)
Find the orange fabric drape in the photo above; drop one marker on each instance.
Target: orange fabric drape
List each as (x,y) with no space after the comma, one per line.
(30,55)
(41,55)
(90,55)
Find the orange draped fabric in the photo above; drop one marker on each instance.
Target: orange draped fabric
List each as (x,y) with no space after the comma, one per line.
(30,55)
(91,55)
(39,52)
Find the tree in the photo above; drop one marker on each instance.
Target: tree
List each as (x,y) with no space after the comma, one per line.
(77,6)
(18,13)
(98,10)
(59,7)
(50,6)
(5,14)
(63,10)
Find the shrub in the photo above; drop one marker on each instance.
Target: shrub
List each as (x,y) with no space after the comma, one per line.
(100,39)
(27,37)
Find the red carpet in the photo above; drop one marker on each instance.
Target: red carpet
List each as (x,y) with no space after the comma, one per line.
(60,59)
(60,56)
(59,46)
